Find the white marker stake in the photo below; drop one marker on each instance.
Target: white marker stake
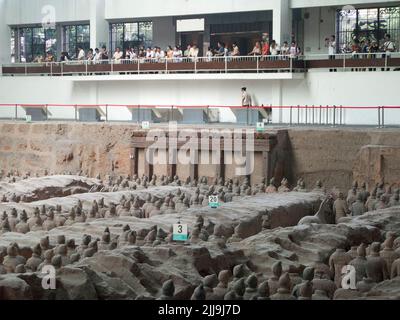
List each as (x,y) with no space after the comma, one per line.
(213,202)
(180,232)
(145,125)
(260,126)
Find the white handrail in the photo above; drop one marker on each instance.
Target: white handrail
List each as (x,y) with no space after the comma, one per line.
(223,60)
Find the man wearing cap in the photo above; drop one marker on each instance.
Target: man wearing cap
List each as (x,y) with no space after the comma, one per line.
(246,98)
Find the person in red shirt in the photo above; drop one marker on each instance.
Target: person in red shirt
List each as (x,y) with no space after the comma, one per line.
(265,49)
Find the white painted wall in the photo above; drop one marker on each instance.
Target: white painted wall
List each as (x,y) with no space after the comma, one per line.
(30,11)
(318,88)
(116,9)
(320,25)
(282,23)
(163,31)
(99,27)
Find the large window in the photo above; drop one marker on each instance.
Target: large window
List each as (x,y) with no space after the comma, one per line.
(131,35)
(368,24)
(14,44)
(34,43)
(75,36)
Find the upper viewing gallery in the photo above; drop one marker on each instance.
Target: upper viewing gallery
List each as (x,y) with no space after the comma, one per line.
(105,37)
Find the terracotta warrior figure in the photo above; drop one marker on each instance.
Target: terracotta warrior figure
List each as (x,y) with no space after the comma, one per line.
(358,207)
(322,284)
(271,188)
(49,223)
(340,208)
(71,218)
(337,261)
(263,291)
(388,253)
(22,226)
(376,266)
(370,204)
(167,291)
(360,263)
(284,186)
(209,283)
(251,288)
(284,286)
(273,282)
(13,220)
(33,219)
(222,288)
(13,259)
(47,257)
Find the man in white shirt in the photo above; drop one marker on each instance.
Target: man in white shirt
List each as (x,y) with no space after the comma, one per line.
(332,47)
(194,51)
(246,98)
(81,54)
(118,55)
(388,46)
(97,55)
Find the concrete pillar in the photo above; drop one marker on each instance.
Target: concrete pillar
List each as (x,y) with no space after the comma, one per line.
(5,35)
(282,22)
(206,37)
(99,27)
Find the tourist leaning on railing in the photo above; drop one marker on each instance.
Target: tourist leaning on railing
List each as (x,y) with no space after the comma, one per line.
(256,50)
(81,54)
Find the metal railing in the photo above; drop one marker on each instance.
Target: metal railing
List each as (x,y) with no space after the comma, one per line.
(332,116)
(223,64)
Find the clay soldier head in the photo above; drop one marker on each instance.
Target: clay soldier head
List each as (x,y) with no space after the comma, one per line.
(168,290)
(263,291)
(199,293)
(277,269)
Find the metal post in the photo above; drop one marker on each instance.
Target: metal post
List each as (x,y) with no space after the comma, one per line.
(106,112)
(62,68)
(383,116)
(258,64)
(51,69)
(327,115)
(166,65)
(112,67)
(16,112)
(291,111)
(386,61)
(195,65)
(291,64)
(320,114)
(247,115)
(313,116)
(86,66)
(334,116)
(341,115)
(298,114)
(379,117)
(47,113)
(76,112)
(306,115)
(138,118)
(226,65)
(344,62)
